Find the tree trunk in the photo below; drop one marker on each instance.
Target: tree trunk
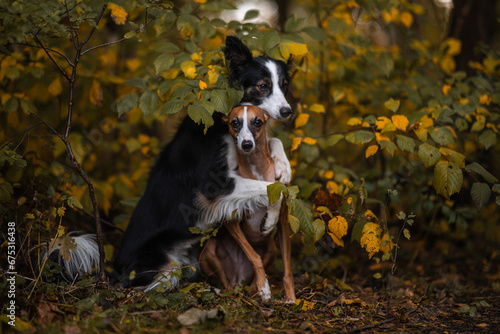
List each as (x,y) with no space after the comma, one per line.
(473,23)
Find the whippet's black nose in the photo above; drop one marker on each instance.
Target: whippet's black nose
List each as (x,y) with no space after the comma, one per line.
(247,145)
(285,112)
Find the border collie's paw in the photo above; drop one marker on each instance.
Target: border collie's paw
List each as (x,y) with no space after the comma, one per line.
(282,167)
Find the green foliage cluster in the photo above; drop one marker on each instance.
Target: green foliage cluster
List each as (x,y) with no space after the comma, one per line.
(384,123)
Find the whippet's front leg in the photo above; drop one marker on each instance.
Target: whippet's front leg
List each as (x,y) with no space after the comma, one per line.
(286,253)
(260,279)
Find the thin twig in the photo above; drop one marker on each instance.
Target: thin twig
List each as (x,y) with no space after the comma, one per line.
(62,55)
(21,134)
(63,72)
(121,39)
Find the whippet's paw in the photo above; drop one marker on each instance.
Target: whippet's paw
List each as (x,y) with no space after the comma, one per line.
(265,292)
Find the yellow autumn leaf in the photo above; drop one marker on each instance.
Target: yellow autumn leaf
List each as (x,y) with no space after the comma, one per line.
(290,48)
(448,64)
(118,14)
(381,122)
(400,121)
(386,243)
(371,150)
(144,139)
(301,120)
(309,141)
(55,88)
(484,100)
(406,18)
(306,306)
(379,137)
(316,107)
(200,1)
(189,69)
(203,85)
(371,216)
(446,89)
(354,121)
(426,121)
(96,93)
(328,174)
(451,47)
(295,143)
(337,228)
(332,187)
(370,238)
(196,57)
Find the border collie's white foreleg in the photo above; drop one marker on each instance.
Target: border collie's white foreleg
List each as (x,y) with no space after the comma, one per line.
(282,167)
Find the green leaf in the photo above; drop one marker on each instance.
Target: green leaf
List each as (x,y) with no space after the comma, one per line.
(334,139)
(292,23)
(406,143)
(406,233)
(74,202)
(318,229)
(137,82)
(392,105)
(386,64)
(251,14)
(496,188)
(303,212)
(275,190)
(456,157)
(316,33)
(448,178)
(360,137)
(442,136)
(126,104)
(149,102)
(166,47)
(294,224)
(163,62)
(220,100)
(172,106)
(480,193)
(477,168)
(200,115)
(428,154)
(390,147)
(488,139)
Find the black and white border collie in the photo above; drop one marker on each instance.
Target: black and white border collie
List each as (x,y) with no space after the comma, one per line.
(194,182)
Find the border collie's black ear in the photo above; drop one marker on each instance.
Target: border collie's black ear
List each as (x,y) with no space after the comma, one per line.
(289,63)
(238,54)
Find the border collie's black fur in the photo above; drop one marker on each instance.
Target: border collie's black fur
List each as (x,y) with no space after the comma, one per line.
(194,181)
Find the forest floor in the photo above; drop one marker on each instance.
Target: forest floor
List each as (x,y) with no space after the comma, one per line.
(431,291)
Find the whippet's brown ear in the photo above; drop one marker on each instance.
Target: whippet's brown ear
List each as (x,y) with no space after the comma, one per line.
(225,119)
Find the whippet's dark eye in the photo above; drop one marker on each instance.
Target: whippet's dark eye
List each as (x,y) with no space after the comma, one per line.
(235,123)
(257,123)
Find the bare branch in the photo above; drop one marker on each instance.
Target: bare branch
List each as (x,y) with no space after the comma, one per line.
(62,55)
(63,72)
(121,39)
(20,134)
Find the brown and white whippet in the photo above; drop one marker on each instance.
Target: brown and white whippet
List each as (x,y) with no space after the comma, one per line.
(243,250)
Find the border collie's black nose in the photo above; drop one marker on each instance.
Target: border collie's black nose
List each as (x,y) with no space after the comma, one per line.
(247,145)
(285,112)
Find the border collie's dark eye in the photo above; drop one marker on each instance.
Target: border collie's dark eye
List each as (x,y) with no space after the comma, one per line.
(235,123)
(263,86)
(257,123)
